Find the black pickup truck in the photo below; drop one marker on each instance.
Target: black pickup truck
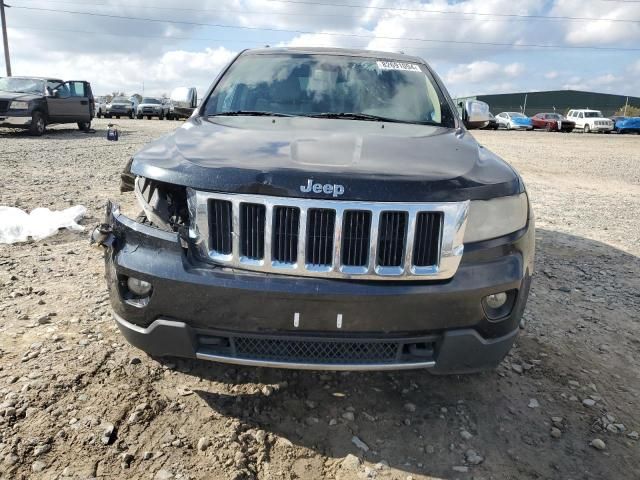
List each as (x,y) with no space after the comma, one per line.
(33,103)
(323,209)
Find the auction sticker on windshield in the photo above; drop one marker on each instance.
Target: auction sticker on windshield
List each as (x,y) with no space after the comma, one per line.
(388,65)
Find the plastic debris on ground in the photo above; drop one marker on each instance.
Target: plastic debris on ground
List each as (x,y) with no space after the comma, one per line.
(16,225)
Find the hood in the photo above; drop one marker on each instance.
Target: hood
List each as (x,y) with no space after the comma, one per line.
(23,97)
(372,161)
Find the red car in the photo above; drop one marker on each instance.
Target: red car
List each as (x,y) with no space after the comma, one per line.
(552,122)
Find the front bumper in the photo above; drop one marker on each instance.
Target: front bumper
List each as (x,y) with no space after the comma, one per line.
(15,121)
(601,128)
(118,111)
(201,311)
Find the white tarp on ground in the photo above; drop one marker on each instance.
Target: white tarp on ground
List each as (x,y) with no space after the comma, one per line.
(17,225)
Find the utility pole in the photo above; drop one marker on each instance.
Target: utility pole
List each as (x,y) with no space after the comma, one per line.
(626,104)
(5,40)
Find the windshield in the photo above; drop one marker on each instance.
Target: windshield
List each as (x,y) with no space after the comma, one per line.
(154,101)
(22,85)
(593,114)
(516,115)
(120,100)
(553,116)
(329,84)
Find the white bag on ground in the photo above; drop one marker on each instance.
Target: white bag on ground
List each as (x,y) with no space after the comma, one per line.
(17,225)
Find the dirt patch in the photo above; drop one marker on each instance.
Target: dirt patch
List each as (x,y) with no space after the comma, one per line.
(78,402)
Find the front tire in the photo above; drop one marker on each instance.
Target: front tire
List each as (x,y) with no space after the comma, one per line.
(548,129)
(131,115)
(38,124)
(139,117)
(161,116)
(587,128)
(84,126)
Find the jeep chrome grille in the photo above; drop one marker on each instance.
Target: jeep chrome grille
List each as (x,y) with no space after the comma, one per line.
(329,238)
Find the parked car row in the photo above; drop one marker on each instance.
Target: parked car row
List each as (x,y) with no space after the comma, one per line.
(180,105)
(585,120)
(32,103)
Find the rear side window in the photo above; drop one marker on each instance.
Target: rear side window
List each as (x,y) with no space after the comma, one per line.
(77,89)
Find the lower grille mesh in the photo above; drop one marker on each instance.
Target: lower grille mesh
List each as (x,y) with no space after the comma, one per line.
(321,352)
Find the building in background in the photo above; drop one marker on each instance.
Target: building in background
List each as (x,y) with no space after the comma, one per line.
(560,101)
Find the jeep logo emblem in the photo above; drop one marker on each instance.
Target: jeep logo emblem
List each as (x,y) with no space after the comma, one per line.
(336,190)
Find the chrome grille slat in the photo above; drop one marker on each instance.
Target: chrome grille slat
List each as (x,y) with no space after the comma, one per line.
(428,225)
(330,238)
(286,234)
(356,238)
(320,237)
(392,238)
(252,231)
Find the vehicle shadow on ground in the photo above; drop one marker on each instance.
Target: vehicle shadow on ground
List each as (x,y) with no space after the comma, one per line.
(57,133)
(424,424)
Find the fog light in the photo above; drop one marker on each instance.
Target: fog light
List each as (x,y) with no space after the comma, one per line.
(138,287)
(496,300)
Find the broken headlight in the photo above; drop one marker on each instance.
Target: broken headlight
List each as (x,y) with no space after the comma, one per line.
(496,217)
(164,204)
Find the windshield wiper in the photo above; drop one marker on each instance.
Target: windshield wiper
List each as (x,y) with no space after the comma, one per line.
(364,116)
(250,113)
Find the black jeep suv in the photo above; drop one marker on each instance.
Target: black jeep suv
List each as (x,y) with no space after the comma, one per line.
(34,103)
(323,209)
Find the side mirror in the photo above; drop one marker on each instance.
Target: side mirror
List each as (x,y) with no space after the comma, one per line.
(56,93)
(475,114)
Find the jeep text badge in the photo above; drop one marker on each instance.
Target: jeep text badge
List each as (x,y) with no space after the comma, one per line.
(330,189)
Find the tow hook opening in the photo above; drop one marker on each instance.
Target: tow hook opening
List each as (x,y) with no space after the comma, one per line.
(422,350)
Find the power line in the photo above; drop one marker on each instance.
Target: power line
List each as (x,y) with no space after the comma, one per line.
(335,34)
(171,38)
(449,12)
(500,16)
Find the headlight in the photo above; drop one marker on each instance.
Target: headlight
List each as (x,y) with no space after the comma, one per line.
(19,105)
(497,217)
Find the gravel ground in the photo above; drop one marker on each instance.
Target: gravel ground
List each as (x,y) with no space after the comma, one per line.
(77,402)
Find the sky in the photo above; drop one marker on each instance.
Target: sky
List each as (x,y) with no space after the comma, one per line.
(475,46)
